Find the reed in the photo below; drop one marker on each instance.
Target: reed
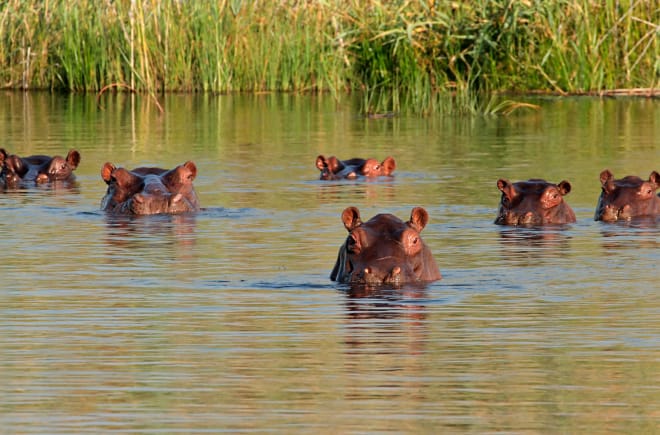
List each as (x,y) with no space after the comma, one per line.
(418,56)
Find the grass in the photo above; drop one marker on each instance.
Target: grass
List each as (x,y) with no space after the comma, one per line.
(417,56)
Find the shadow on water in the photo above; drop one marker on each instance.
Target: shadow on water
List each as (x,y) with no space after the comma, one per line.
(30,191)
(385,322)
(140,230)
(640,232)
(527,244)
(382,189)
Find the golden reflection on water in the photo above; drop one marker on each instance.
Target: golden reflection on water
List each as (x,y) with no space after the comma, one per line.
(227,320)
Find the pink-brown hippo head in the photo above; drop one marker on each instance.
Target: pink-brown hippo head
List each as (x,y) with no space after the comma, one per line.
(38,168)
(334,169)
(533,202)
(385,250)
(628,197)
(150,190)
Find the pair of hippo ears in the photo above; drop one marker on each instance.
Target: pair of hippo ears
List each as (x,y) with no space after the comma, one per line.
(108,169)
(607,180)
(419,217)
(509,188)
(331,163)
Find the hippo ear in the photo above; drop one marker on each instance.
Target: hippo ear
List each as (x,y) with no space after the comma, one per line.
(106,171)
(3,155)
(564,187)
(351,218)
(655,179)
(507,188)
(419,217)
(389,165)
(73,159)
(607,180)
(321,163)
(192,168)
(334,165)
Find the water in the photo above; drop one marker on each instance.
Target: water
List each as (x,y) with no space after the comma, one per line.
(227,320)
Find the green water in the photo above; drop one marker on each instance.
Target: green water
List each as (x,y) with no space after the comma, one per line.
(227,320)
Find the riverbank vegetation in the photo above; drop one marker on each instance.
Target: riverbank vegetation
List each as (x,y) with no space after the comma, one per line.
(422,56)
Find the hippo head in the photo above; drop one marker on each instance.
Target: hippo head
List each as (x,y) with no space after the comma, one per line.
(334,169)
(373,168)
(145,191)
(59,168)
(384,250)
(627,197)
(40,169)
(13,168)
(533,202)
(8,175)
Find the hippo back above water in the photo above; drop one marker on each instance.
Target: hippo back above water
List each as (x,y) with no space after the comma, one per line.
(334,169)
(150,190)
(533,202)
(16,171)
(628,197)
(385,250)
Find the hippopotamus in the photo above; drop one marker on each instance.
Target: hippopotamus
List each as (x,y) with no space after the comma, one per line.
(534,202)
(334,169)
(385,250)
(38,168)
(627,197)
(149,190)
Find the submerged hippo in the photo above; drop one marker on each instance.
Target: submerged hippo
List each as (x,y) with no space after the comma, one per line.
(147,190)
(37,169)
(627,197)
(533,202)
(334,169)
(384,250)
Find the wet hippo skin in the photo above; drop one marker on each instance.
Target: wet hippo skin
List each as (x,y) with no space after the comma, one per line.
(149,190)
(628,197)
(533,202)
(38,168)
(385,250)
(334,169)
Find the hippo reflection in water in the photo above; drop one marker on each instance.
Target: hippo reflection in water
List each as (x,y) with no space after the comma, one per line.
(334,169)
(533,202)
(385,250)
(148,190)
(37,169)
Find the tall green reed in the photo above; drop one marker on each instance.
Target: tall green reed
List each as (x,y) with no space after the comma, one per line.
(419,56)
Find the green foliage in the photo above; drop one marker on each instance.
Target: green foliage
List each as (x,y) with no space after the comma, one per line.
(419,56)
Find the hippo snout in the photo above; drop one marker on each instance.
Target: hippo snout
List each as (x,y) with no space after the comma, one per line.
(373,276)
(612,213)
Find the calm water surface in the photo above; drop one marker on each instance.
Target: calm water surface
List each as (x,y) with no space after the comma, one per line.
(227,320)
